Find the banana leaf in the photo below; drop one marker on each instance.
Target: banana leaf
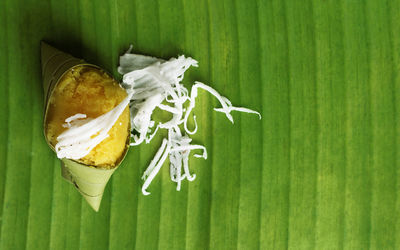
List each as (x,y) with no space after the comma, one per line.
(319,171)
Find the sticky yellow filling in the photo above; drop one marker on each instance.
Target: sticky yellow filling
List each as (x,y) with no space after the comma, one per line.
(89,91)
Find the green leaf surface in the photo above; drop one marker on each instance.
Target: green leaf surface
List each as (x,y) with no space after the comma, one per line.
(319,171)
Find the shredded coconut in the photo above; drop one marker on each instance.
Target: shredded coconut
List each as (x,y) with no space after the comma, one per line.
(72,118)
(155,165)
(156,82)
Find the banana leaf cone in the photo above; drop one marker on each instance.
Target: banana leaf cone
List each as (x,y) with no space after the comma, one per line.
(89,180)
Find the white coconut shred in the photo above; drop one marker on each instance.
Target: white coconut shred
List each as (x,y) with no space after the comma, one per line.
(152,82)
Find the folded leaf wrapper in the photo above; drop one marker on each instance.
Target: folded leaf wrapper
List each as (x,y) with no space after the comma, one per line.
(89,180)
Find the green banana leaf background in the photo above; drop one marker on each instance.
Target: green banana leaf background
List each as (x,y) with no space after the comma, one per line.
(319,171)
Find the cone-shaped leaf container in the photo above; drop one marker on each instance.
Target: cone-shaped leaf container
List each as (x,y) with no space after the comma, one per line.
(89,175)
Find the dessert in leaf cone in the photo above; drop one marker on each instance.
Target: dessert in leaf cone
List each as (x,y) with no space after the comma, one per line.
(86,121)
(87,116)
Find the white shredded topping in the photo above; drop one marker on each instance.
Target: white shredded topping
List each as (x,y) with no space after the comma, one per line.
(83,135)
(72,118)
(155,165)
(129,62)
(156,84)
(178,147)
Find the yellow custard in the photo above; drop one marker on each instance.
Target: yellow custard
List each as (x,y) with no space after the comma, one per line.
(88,90)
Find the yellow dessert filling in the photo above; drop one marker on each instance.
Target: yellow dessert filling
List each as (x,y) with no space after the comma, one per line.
(88,90)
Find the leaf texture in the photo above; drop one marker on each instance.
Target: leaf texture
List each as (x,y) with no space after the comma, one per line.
(319,171)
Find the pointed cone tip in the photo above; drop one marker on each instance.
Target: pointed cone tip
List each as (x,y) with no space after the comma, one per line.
(89,181)
(94,202)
